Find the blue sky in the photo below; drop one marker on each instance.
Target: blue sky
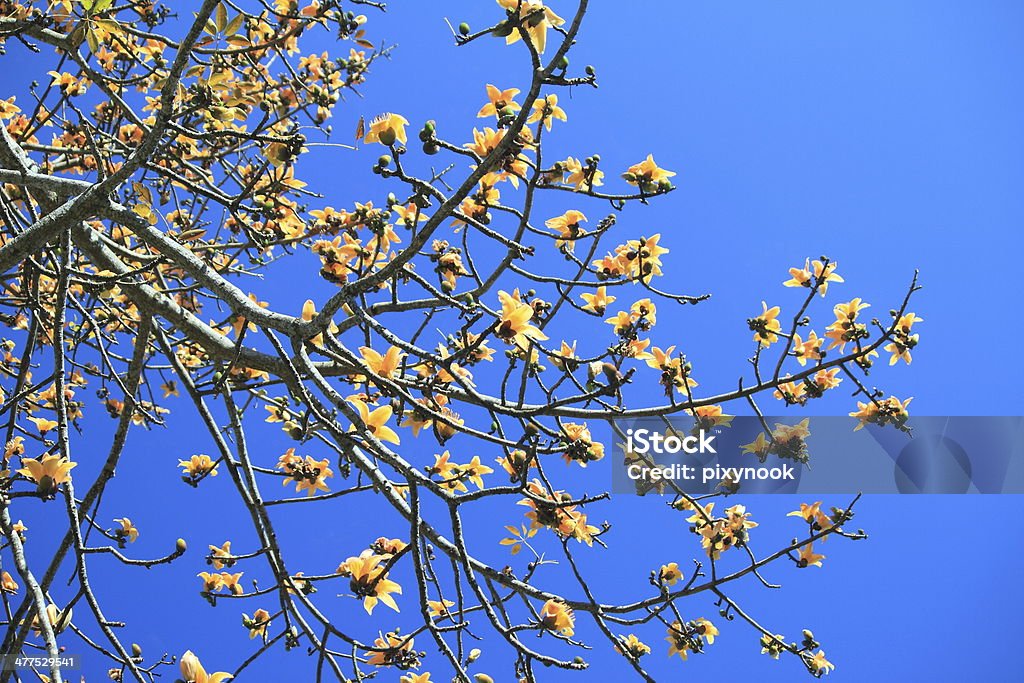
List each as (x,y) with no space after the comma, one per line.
(885,135)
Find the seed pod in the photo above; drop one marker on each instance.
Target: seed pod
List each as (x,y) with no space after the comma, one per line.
(464,29)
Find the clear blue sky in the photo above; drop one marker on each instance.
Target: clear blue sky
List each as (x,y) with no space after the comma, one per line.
(885,135)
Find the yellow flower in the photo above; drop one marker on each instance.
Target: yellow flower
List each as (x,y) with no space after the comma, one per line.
(678,642)
(536,18)
(257,625)
(584,178)
(499,99)
(827,379)
(712,416)
(791,392)
(621,322)
(848,312)
(16,446)
(819,664)
(382,365)
(810,349)
(760,446)
(221,557)
(8,108)
(766,326)
(474,471)
(127,531)
(648,176)
(567,520)
(598,301)
(632,646)
(192,671)
(514,326)
(376,421)
(773,647)
(566,357)
(705,629)
(416,678)
(309,475)
(644,257)
(809,513)
(437,608)
(59,619)
(68,84)
(49,473)
(394,650)
(546,110)
(231,582)
(813,273)
(198,466)
(884,412)
(386,129)
(903,342)
(42,424)
(580,446)
(515,462)
(8,584)
(239,322)
(906,322)
(557,616)
(368,580)
(308,313)
(808,558)
(568,227)
(669,573)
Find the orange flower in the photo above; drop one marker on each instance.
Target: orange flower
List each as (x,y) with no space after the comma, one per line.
(557,616)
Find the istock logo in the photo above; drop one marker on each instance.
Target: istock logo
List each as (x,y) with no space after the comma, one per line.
(644,441)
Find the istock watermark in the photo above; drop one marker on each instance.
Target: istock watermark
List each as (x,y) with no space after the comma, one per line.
(821,455)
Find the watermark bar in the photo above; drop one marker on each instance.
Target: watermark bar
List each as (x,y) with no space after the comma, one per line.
(819,455)
(21,662)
